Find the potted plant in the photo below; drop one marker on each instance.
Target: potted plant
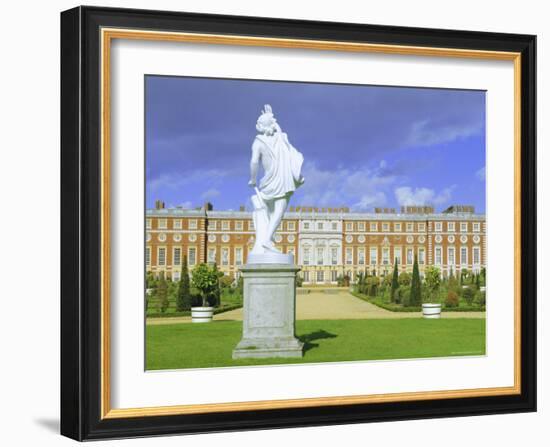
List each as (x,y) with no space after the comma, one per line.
(205,280)
(432,280)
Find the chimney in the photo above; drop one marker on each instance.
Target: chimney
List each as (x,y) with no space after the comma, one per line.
(159,204)
(241,208)
(208,206)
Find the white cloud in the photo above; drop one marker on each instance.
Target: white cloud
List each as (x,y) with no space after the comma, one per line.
(186,205)
(363,187)
(426,133)
(480,174)
(177,181)
(408,196)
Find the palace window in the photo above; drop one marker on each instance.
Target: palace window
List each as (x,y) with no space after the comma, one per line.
(410,227)
(177,256)
(238,256)
(306,225)
(305,275)
(397,254)
(211,255)
(148,256)
(148,224)
(349,255)
(421,256)
(177,224)
(320,226)
(290,226)
(437,256)
(438,226)
(451,256)
(225,225)
(475,227)
(290,250)
(334,276)
(161,258)
(163,224)
(385,256)
(176,276)
(451,227)
(334,226)
(192,255)
(193,224)
(225,256)
(212,224)
(251,225)
(307,254)
(409,256)
(373,256)
(385,226)
(349,226)
(320,276)
(239,225)
(421,226)
(463,227)
(374,226)
(463,255)
(475,256)
(334,255)
(361,256)
(320,255)
(397,226)
(360,226)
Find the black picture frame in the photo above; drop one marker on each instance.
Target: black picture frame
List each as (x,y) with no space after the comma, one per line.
(81,223)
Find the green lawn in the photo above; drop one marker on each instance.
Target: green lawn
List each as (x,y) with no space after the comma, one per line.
(188,345)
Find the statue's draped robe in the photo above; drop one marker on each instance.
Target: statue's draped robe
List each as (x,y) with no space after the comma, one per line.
(284,174)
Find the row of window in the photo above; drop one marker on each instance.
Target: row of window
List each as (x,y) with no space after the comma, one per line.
(321,259)
(320,256)
(238,225)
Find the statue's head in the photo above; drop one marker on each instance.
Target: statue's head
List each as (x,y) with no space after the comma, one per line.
(266,124)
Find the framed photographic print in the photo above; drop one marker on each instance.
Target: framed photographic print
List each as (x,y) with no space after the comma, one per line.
(276,223)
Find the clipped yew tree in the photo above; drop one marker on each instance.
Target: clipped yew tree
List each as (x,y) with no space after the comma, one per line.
(394,282)
(183,297)
(416,293)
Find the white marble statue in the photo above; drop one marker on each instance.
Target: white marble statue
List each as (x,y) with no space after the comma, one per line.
(282,165)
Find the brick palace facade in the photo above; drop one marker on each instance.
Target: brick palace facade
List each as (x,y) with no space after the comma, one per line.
(326,242)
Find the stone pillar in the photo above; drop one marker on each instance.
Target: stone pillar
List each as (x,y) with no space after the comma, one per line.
(269,313)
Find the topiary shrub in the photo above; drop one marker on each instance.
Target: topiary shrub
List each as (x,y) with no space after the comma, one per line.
(480,298)
(468,295)
(452,299)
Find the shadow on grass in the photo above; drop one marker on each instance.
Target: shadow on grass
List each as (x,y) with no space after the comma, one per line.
(308,339)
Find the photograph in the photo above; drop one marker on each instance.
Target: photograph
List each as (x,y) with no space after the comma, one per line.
(293,222)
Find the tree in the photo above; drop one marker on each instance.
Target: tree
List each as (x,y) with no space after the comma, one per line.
(162,294)
(183,297)
(468,295)
(216,293)
(404,279)
(394,282)
(432,279)
(416,293)
(477,282)
(205,280)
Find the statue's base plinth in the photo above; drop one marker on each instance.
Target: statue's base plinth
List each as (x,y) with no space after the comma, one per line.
(271,258)
(269,312)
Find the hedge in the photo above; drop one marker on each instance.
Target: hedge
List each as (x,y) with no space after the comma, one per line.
(377,301)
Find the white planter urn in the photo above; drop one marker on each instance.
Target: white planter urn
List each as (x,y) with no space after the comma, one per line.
(431,310)
(202,314)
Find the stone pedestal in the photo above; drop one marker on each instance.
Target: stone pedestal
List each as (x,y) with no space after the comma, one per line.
(269,313)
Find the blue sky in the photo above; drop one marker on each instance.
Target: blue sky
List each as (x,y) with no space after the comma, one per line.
(364,146)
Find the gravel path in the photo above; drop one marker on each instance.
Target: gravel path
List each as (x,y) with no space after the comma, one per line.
(328,304)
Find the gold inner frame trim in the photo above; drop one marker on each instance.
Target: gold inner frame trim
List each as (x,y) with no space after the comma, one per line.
(107,35)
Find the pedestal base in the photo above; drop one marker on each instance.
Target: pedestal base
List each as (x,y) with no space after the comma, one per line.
(269,313)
